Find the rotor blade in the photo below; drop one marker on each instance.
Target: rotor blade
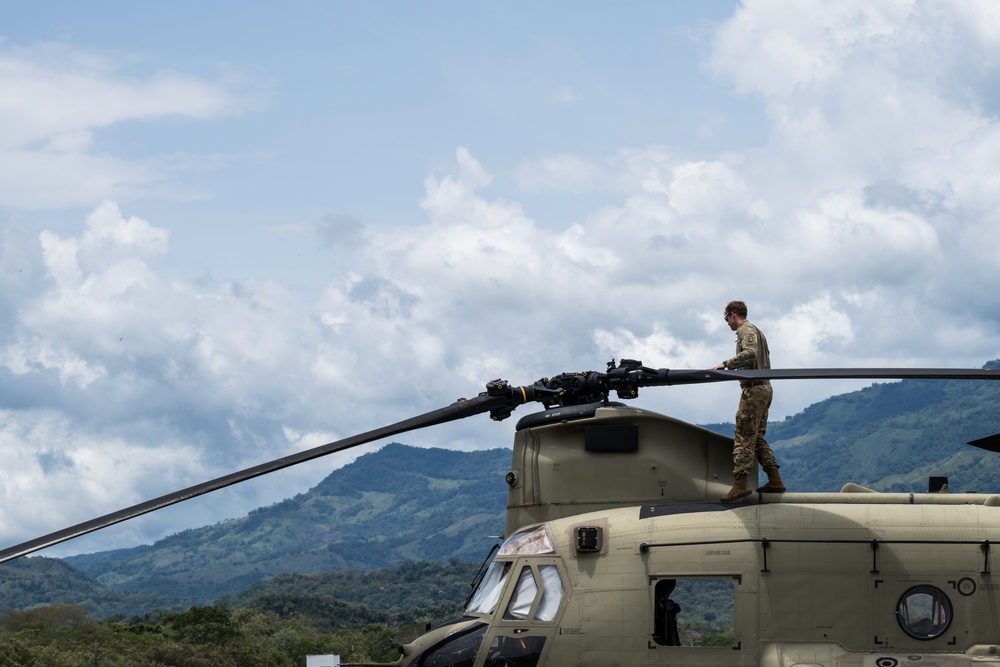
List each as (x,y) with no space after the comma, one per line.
(990,443)
(458,410)
(672,377)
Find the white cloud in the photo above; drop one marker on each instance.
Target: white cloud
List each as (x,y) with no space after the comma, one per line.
(812,334)
(854,89)
(73,474)
(786,52)
(56,97)
(706,188)
(27,356)
(54,91)
(667,349)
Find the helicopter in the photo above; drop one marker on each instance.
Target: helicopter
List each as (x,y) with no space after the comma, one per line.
(614,527)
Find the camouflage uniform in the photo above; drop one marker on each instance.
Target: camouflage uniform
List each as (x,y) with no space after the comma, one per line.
(755,400)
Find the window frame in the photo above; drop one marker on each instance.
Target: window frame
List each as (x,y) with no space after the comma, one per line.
(534,563)
(735,580)
(938,597)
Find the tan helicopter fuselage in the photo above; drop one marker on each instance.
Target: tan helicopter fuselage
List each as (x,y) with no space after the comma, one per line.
(618,553)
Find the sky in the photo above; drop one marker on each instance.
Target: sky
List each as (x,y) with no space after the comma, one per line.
(232,231)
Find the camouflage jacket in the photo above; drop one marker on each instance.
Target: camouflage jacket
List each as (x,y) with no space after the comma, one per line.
(751,349)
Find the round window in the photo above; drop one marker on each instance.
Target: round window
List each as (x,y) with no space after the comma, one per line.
(924,612)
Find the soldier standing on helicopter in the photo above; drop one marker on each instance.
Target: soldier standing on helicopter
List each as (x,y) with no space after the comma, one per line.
(751,417)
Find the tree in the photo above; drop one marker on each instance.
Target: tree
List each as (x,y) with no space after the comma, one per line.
(53,615)
(202,625)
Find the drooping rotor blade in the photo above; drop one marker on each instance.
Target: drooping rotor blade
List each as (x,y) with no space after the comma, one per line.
(498,398)
(990,443)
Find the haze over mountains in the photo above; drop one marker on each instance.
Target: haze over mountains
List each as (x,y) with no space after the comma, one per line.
(405,504)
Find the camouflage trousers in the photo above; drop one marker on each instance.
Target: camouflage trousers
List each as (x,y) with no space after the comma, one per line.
(751,425)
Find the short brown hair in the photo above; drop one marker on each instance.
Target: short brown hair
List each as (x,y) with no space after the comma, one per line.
(737,307)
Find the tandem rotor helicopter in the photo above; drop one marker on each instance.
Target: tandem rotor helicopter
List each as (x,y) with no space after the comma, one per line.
(614,525)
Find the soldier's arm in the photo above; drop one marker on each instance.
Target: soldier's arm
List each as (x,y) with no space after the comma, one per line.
(746,346)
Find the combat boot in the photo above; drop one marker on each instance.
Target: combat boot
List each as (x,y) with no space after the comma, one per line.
(774,483)
(740,489)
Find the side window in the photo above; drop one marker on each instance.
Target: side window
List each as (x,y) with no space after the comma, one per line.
(552,593)
(546,586)
(693,612)
(924,612)
(523,596)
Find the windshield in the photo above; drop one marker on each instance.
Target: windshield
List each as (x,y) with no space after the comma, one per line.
(533,541)
(485,599)
(457,650)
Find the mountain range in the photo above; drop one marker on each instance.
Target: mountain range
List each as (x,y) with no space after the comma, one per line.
(404,504)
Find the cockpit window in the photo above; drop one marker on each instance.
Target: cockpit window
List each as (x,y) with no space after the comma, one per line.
(526,590)
(485,599)
(552,593)
(924,612)
(524,595)
(514,651)
(533,541)
(457,650)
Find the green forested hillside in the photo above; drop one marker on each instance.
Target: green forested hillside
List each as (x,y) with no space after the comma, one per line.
(409,593)
(892,437)
(27,582)
(400,503)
